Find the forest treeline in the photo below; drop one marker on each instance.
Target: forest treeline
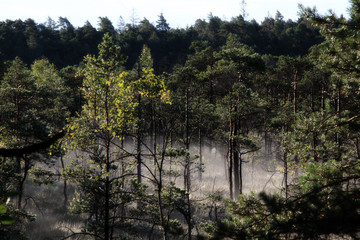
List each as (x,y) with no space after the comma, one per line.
(117,120)
(64,45)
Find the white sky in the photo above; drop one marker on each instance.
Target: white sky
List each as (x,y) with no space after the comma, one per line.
(178,13)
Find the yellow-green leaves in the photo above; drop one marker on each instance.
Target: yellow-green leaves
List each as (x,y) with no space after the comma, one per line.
(107,94)
(150,85)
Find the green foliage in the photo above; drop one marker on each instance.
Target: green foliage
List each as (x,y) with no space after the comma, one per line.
(148,84)
(12,222)
(63,44)
(230,84)
(32,102)
(51,90)
(103,172)
(42,175)
(162,25)
(314,210)
(313,137)
(17,105)
(108,109)
(4,218)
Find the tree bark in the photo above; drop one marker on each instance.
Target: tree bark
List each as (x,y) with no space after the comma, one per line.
(138,142)
(187,184)
(285,174)
(231,158)
(107,196)
(240,173)
(338,112)
(236,157)
(200,155)
(65,182)
(187,177)
(18,152)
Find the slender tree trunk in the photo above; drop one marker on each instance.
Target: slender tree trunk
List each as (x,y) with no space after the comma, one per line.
(200,141)
(161,212)
(231,157)
(315,146)
(153,137)
(164,221)
(189,216)
(285,174)
(236,171)
(285,162)
(200,155)
(187,144)
(322,95)
(294,93)
(107,171)
(138,142)
(187,177)
(266,143)
(266,136)
(154,128)
(240,174)
(65,182)
(171,146)
(21,183)
(23,179)
(357,147)
(338,108)
(338,112)
(296,157)
(236,155)
(107,196)
(18,170)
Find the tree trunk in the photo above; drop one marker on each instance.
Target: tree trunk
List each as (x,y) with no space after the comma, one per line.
(187,177)
(338,112)
(200,155)
(138,141)
(236,171)
(161,212)
(315,146)
(285,175)
(108,138)
(356,142)
(231,158)
(187,144)
(240,174)
(23,179)
(294,93)
(322,95)
(107,197)
(266,144)
(296,157)
(153,130)
(236,157)
(65,182)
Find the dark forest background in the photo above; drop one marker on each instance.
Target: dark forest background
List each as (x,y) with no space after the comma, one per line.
(63,44)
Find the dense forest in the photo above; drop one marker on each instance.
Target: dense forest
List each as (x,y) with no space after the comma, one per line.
(223,130)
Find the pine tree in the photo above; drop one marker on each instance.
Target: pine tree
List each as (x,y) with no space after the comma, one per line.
(96,131)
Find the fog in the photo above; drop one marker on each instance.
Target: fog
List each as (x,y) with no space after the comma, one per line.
(259,173)
(46,202)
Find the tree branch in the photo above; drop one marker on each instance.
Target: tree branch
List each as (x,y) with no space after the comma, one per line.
(14,152)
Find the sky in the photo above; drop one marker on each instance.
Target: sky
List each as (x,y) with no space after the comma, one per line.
(178,13)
